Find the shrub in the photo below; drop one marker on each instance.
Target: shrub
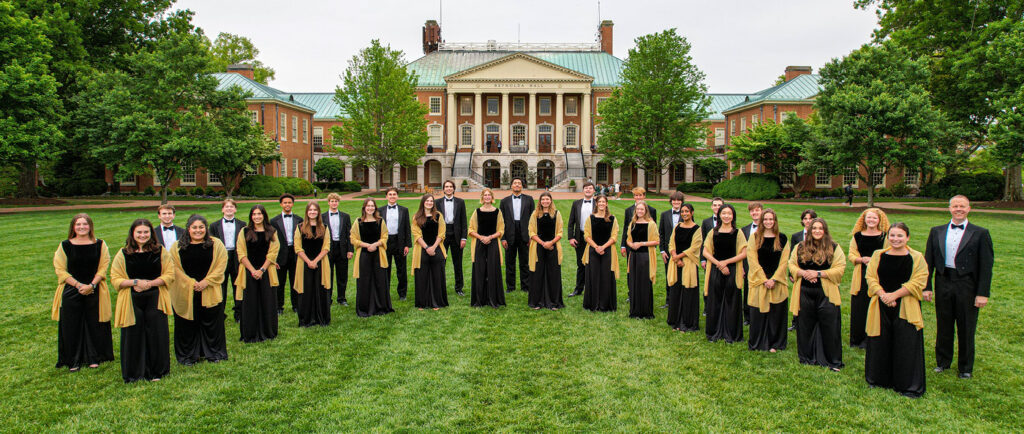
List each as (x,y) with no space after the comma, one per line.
(349,186)
(900,190)
(296,186)
(198,191)
(149,191)
(260,186)
(694,187)
(748,186)
(979,187)
(181,191)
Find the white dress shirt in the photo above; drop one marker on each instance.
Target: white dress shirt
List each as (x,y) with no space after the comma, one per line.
(229,233)
(289,227)
(675,217)
(449,210)
(517,206)
(391,218)
(953,237)
(334,219)
(169,234)
(753,228)
(586,208)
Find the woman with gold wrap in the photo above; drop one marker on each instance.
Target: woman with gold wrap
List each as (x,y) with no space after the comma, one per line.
(683,292)
(545,255)
(370,240)
(199,263)
(767,257)
(817,266)
(257,246)
(868,237)
(428,255)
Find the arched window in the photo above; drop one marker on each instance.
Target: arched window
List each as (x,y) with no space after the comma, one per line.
(518,170)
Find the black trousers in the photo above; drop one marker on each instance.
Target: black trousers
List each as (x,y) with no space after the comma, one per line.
(581,247)
(338,258)
(452,242)
(230,273)
(287,274)
(396,257)
(955,314)
(517,248)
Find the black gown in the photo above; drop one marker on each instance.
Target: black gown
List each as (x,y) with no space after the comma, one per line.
(895,358)
(315,300)
(546,280)
(82,339)
(372,294)
(859,303)
(259,299)
(768,330)
(641,289)
(818,339)
(145,346)
(202,337)
(725,299)
(431,289)
(486,286)
(599,278)
(683,302)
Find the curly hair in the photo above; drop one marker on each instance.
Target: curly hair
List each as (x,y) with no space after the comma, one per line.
(883,221)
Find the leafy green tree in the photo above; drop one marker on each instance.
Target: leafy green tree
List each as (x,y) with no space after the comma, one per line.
(1007,131)
(385,125)
(776,147)
(874,113)
(30,109)
(230,49)
(329,169)
(653,120)
(235,145)
(711,168)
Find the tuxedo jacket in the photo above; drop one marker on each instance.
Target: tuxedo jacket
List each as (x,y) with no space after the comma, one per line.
(665,230)
(284,254)
(459,227)
(576,219)
(706,226)
(160,234)
(217,228)
(629,217)
(974,257)
(795,239)
(403,237)
(344,229)
(747,230)
(514,232)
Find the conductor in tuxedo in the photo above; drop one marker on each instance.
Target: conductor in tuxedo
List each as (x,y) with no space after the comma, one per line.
(754,208)
(639,194)
(399,239)
(226,229)
(960,257)
(453,210)
(578,216)
(169,232)
(339,226)
(285,224)
(669,221)
(516,210)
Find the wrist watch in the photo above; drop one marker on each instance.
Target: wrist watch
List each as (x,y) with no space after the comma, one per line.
(136,282)
(819,274)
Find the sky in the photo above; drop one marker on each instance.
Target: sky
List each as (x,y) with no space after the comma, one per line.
(741,46)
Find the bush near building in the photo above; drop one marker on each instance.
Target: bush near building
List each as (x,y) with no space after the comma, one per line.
(977,187)
(748,186)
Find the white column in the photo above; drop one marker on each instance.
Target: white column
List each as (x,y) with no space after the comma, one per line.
(585,127)
(665,181)
(532,139)
(689,172)
(506,138)
(396,175)
(478,119)
(419,175)
(452,135)
(348,172)
(372,182)
(618,176)
(559,114)
(641,178)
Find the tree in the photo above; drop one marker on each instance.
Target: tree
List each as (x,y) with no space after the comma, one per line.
(1007,131)
(712,169)
(874,113)
(30,109)
(329,169)
(230,49)
(385,125)
(776,147)
(235,144)
(653,120)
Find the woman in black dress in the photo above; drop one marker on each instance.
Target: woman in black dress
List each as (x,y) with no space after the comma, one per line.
(601,231)
(683,293)
(641,264)
(313,273)
(369,239)
(428,256)
(545,256)
(257,246)
(81,304)
(141,272)
(199,263)
(817,267)
(767,257)
(869,235)
(895,327)
(725,249)
(485,226)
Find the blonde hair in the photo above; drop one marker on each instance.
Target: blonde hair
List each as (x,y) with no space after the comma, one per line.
(758,235)
(639,190)
(334,196)
(486,190)
(883,221)
(647,212)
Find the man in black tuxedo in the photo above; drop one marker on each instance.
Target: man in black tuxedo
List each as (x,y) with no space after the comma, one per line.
(454,211)
(578,216)
(168,232)
(754,208)
(960,256)
(806,218)
(339,225)
(516,210)
(399,239)
(639,194)
(669,220)
(285,224)
(226,229)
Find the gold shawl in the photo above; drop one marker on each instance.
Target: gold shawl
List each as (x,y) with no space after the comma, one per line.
(741,243)
(242,250)
(124,312)
(588,234)
(357,242)
(652,252)
(182,289)
(759,296)
(854,253)
(500,230)
(830,278)
(60,265)
(300,267)
(910,305)
(691,257)
(534,245)
(417,233)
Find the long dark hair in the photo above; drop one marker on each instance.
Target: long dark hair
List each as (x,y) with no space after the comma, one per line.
(607,212)
(268,229)
(207,241)
(307,228)
(817,251)
(719,216)
(151,246)
(689,207)
(376,209)
(71,228)
(421,217)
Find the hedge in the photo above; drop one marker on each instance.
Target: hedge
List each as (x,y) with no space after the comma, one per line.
(296,186)
(980,187)
(694,187)
(260,186)
(339,186)
(748,186)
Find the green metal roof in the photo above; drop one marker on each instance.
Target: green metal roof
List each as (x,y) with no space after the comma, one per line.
(259,91)
(722,101)
(323,103)
(434,67)
(800,88)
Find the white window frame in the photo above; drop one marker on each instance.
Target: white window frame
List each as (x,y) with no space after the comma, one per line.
(464,131)
(719,138)
(466,106)
(732,127)
(787,178)
(305,131)
(497,106)
(850,176)
(188,171)
(130,181)
(754,120)
(519,106)
(254,116)
(212,179)
(877,172)
(434,133)
(785,115)
(295,168)
(573,140)
(434,176)
(602,175)
(521,136)
(435,105)
(551,130)
(743,124)
(822,174)
(318,136)
(571,106)
(295,129)
(282,127)
(597,106)
(540,106)
(305,168)
(907,178)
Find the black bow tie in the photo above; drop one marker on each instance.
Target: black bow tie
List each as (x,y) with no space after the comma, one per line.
(675,212)
(392,206)
(334,213)
(287,216)
(168,228)
(232,221)
(514,197)
(586,201)
(953,226)
(449,199)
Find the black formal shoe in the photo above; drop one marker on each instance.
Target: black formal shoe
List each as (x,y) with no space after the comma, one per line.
(461,294)
(627,299)
(343,303)
(664,306)
(573,294)
(746,323)
(280,312)
(939,369)
(402,298)
(791,328)
(965,375)
(509,291)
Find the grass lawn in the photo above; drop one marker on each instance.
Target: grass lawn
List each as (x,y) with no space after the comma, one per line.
(382,194)
(511,369)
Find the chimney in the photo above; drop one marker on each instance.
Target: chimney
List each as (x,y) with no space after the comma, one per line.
(244,69)
(796,71)
(605,36)
(431,36)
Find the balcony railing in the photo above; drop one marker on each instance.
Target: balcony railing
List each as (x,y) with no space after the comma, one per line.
(519,149)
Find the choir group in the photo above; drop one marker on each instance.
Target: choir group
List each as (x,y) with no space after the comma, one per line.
(753,276)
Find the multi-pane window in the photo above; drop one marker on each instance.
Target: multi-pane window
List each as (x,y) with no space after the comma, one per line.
(305,169)
(732,127)
(600,100)
(786,178)
(466,106)
(910,178)
(878,176)
(318,139)
(295,129)
(822,179)
(492,105)
(519,106)
(519,134)
(679,173)
(434,136)
(545,106)
(627,174)
(518,169)
(305,131)
(719,140)
(435,105)
(785,115)
(602,173)
(697,176)
(188,174)
(411,176)
(467,135)
(570,106)
(850,176)
(754,119)
(492,128)
(254,117)
(295,167)
(570,135)
(282,128)
(743,125)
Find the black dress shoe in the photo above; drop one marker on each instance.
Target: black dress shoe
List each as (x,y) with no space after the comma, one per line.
(791,328)
(965,375)
(664,306)
(573,294)
(939,369)
(280,312)
(746,323)
(402,298)
(460,293)
(343,303)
